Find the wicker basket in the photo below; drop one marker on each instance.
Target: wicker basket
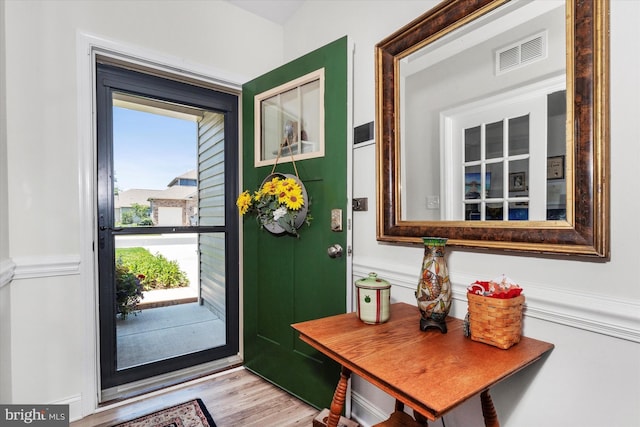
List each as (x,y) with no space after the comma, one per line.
(495,321)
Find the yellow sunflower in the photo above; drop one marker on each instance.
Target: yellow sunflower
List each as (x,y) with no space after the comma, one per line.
(271,187)
(294,200)
(289,185)
(244,202)
(286,187)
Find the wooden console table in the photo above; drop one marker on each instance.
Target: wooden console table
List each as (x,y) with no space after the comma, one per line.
(429,371)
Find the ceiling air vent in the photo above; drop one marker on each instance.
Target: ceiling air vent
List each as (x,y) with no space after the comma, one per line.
(521,53)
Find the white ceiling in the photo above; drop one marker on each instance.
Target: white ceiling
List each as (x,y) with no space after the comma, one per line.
(278,11)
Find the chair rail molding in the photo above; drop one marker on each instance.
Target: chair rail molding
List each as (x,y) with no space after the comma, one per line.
(591,312)
(30,267)
(7,271)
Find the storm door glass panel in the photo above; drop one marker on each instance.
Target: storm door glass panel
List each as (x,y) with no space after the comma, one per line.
(169,320)
(155,162)
(169,175)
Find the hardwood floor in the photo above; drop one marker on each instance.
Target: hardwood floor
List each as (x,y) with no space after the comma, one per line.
(237,398)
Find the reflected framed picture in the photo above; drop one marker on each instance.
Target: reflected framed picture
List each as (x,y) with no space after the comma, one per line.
(289,121)
(472,185)
(517,181)
(555,167)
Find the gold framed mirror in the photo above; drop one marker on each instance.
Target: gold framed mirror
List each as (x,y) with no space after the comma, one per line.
(536,196)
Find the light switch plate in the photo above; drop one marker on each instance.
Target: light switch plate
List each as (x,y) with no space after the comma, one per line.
(433,202)
(360,204)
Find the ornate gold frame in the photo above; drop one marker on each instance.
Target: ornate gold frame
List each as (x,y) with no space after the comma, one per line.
(586,231)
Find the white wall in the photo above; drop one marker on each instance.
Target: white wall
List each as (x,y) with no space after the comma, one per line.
(451,84)
(6,266)
(583,307)
(588,309)
(44,336)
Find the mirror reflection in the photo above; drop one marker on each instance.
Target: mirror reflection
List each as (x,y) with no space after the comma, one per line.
(482,114)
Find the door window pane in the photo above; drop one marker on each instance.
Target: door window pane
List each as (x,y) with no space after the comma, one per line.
(472,183)
(472,139)
(290,121)
(495,140)
(519,211)
(519,135)
(495,174)
(472,212)
(494,212)
(518,178)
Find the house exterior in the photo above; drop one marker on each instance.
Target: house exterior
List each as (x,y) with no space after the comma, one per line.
(124,200)
(589,310)
(178,203)
(175,205)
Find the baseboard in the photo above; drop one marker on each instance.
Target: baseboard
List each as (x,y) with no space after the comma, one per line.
(365,412)
(595,313)
(75,406)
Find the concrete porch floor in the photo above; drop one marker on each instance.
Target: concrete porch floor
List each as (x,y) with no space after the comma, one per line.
(167,331)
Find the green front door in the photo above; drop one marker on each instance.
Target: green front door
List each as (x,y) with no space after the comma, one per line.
(289,279)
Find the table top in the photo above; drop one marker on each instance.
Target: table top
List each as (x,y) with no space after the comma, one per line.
(427,370)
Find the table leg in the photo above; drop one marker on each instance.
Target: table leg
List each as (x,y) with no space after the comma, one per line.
(488,410)
(337,404)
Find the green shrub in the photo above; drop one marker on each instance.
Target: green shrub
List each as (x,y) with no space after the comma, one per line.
(128,290)
(158,271)
(127,217)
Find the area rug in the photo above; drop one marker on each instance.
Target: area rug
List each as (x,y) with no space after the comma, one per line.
(188,414)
